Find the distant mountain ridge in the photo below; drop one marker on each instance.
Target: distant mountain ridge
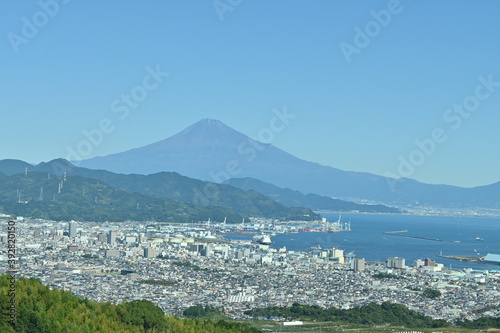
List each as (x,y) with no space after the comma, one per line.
(210,150)
(10,167)
(315,202)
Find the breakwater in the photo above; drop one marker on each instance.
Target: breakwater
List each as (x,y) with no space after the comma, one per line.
(399,234)
(466,258)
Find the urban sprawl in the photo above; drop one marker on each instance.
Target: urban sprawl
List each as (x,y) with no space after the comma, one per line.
(176,266)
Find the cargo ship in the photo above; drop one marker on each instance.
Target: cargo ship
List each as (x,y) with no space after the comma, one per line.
(262,239)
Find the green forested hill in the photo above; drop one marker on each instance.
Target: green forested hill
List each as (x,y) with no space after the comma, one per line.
(42,310)
(40,195)
(371,314)
(173,186)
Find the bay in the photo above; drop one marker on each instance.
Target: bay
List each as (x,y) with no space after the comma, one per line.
(367,238)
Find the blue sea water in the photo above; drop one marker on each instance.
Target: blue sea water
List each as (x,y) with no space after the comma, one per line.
(367,240)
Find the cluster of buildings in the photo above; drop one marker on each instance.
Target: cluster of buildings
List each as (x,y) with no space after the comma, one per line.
(178,266)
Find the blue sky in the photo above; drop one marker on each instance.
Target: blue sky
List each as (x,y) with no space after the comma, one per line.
(237,61)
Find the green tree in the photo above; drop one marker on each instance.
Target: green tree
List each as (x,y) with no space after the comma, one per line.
(431,293)
(143,314)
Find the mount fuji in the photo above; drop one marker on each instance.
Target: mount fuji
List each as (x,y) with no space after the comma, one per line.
(212,151)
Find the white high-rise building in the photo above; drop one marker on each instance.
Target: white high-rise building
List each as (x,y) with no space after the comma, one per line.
(396,262)
(111,237)
(72,229)
(358,264)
